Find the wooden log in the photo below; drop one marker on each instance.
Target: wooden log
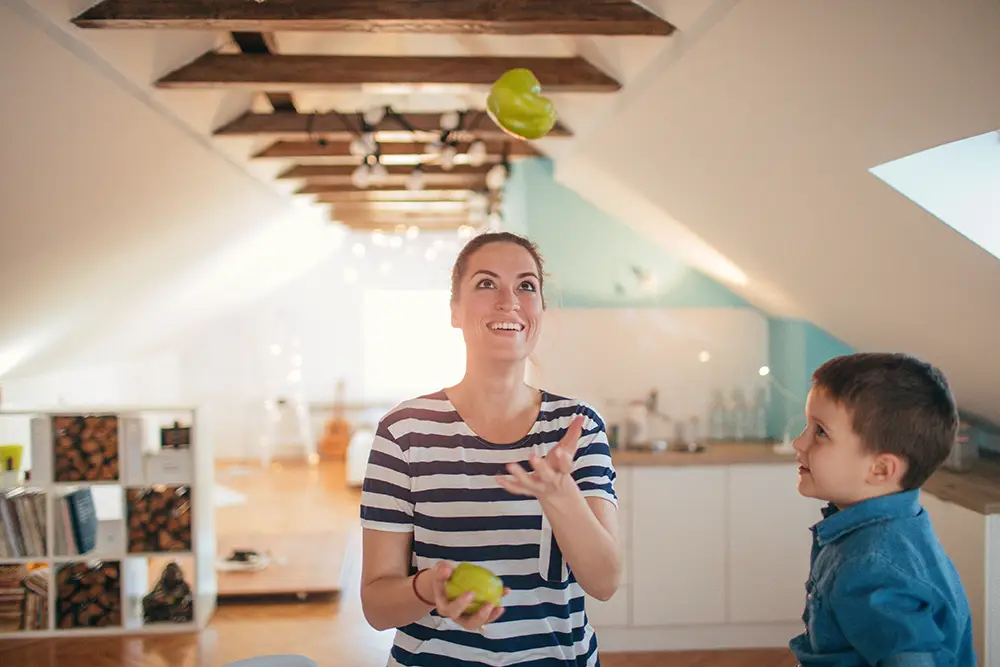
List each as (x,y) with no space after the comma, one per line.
(159,520)
(85,448)
(89,596)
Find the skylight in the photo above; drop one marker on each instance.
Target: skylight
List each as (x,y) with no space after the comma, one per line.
(957,182)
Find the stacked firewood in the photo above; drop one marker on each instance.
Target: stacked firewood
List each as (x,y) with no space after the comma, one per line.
(85,448)
(159,519)
(89,596)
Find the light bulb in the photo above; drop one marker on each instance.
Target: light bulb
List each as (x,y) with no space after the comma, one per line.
(448,157)
(361,177)
(358,148)
(496,177)
(449,120)
(465,231)
(359,249)
(477,153)
(412,232)
(375,115)
(479,203)
(704,356)
(379,173)
(378,237)
(415,180)
(764,370)
(400,229)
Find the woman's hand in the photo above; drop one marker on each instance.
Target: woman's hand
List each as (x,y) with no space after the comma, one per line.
(552,474)
(430,584)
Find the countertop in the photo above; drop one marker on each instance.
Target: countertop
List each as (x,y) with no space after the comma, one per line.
(718,453)
(977,490)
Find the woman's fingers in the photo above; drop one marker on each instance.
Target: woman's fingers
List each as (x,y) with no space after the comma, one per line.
(455,608)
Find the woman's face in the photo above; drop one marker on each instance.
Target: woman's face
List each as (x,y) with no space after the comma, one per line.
(498,303)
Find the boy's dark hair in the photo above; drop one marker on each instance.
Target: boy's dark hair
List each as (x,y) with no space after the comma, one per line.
(900,405)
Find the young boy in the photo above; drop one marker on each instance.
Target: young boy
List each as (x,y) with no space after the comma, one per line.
(881,590)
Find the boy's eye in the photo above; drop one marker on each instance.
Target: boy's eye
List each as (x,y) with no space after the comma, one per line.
(820,431)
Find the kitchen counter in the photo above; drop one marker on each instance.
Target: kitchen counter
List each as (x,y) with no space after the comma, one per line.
(977,490)
(717,453)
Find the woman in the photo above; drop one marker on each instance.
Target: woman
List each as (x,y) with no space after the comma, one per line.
(497,473)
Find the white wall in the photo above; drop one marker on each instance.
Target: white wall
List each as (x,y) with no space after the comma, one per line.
(306,336)
(312,327)
(611,356)
(759,137)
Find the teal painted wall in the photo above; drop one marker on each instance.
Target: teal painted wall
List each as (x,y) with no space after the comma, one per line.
(587,252)
(796,348)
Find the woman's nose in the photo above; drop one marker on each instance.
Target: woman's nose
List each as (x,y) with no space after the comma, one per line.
(506,301)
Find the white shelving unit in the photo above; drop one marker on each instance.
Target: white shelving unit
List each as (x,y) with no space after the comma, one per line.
(176,482)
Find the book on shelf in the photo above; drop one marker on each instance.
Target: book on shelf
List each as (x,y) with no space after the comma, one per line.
(22,523)
(24,598)
(75,523)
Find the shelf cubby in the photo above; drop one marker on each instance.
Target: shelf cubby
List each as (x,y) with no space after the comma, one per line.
(105,500)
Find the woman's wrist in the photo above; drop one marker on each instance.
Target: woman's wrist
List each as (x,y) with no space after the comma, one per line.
(416,590)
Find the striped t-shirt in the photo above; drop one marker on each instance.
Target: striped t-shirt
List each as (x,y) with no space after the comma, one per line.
(431,475)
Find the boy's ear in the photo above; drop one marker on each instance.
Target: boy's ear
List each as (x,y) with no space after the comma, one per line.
(887,469)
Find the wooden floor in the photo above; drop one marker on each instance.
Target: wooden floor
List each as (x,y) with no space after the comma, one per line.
(334,633)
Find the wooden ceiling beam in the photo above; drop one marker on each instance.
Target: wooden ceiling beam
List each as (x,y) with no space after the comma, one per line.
(296,72)
(466,183)
(314,149)
(255,42)
(382,196)
(511,17)
(330,126)
(343,171)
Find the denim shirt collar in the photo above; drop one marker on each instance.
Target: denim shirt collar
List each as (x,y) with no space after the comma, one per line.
(838,522)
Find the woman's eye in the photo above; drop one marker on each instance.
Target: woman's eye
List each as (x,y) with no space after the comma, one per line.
(485,282)
(528,285)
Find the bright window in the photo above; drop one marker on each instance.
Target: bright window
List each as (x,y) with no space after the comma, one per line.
(410,347)
(957,182)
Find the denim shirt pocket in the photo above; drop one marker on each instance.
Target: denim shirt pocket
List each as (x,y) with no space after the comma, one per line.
(551,565)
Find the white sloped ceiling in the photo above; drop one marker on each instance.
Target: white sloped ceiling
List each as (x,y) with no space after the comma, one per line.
(759,139)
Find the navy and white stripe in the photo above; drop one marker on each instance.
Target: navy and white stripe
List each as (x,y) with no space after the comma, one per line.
(431,475)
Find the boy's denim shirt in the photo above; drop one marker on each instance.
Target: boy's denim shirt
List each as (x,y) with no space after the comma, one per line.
(882,592)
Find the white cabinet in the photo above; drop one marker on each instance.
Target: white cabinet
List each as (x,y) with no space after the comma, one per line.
(614,613)
(769,543)
(972,541)
(678,545)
